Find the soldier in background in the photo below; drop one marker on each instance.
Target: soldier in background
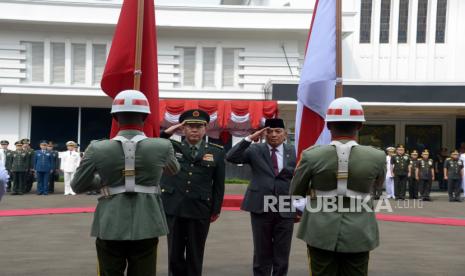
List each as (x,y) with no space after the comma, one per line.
(55,174)
(192,199)
(425,175)
(19,165)
(400,170)
(44,165)
(413,182)
(439,168)
(30,173)
(4,155)
(453,173)
(389,182)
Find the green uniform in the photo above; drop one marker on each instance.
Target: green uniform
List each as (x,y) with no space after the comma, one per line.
(29,174)
(19,165)
(413,183)
(425,177)
(401,170)
(454,177)
(123,218)
(54,175)
(330,234)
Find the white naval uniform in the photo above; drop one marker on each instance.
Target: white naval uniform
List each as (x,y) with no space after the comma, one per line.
(389,181)
(3,179)
(69,162)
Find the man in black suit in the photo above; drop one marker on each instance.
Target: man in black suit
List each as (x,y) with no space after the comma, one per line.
(192,199)
(273,165)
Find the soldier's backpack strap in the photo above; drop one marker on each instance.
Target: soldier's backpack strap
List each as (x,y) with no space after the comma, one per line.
(343,155)
(129,172)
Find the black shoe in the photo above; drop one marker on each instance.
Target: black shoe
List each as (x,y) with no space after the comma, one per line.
(451,200)
(458,200)
(14,193)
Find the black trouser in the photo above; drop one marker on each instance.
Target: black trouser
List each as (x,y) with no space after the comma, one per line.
(51,183)
(8,184)
(413,188)
(425,187)
(19,179)
(186,245)
(28,182)
(330,263)
(400,183)
(441,181)
(377,190)
(138,256)
(272,236)
(454,188)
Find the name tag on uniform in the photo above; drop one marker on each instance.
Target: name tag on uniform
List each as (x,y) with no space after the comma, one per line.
(208,157)
(178,155)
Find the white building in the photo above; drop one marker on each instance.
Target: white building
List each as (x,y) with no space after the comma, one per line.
(402,58)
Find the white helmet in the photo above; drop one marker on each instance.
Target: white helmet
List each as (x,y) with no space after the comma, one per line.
(345,110)
(130,101)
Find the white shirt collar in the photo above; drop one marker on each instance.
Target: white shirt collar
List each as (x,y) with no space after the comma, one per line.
(280,148)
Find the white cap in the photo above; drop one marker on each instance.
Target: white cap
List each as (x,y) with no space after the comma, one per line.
(345,110)
(71,143)
(130,101)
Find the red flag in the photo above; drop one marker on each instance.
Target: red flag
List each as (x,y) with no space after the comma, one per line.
(119,69)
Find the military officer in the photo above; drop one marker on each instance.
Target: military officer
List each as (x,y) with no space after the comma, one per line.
(453,173)
(18,165)
(425,175)
(129,218)
(29,178)
(400,169)
(339,242)
(5,155)
(54,175)
(44,165)
(391,151)
(193,198)
(413,182)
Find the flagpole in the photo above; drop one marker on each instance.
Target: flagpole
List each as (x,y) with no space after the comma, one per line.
(339,87)
(139,37)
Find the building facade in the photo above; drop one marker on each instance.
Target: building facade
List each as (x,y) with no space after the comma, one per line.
(401,58)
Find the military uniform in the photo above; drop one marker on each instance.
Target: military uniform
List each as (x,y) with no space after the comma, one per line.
(401,170)
(54,175)
(344,236)
(453,168)
(19,165)
(6,156)
(191,198)
(425,177)
(413,182)
(44,165)
(29,178)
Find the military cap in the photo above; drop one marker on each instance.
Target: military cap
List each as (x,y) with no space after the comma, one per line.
(454,152)
(400,146)
(50,144)
(4,142)
(194,116)
(274,123)
(25,141)
(18,143)
(425,151)
(414,152)
(43,142)
(71,143)
(390,149)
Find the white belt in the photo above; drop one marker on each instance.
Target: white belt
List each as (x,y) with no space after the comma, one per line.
(137,189)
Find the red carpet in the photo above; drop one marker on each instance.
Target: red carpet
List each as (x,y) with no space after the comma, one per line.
(231,203)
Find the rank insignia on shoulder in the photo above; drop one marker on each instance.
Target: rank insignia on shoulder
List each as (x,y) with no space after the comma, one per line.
(208,157)
(178,155)
(406,157)
(216,145)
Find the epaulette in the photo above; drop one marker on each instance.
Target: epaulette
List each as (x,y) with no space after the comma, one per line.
(175,141)
(215,145)
(448,158)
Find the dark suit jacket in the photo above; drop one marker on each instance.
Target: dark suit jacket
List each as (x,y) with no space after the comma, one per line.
(264,182)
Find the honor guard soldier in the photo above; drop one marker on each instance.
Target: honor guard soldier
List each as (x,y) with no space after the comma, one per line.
(425,175)
(19,164)
(193,198)
(30,173)
(339,242)
(5,154)
(413,182)
(400,169)
(53,176)
(129,218)
(453,173)
(44,165)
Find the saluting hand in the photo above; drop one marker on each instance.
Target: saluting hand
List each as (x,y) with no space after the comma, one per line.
(172,129)
(258,134)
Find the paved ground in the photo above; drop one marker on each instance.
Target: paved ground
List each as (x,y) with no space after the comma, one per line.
(60,244)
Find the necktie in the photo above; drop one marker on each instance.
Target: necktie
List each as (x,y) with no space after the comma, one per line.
(193,151)
(274,160)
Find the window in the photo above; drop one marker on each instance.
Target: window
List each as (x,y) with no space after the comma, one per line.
(403,21)
(79,63)
(229,67)
(209,67)
(380,136)
(441,21)
(99,57)
(58,62)
(385,21)
(34,61)
(188,70)
(365,21)
(421,20)
(422,137)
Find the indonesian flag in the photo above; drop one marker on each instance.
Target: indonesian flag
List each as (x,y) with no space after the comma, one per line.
(317,79)
(119,69)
